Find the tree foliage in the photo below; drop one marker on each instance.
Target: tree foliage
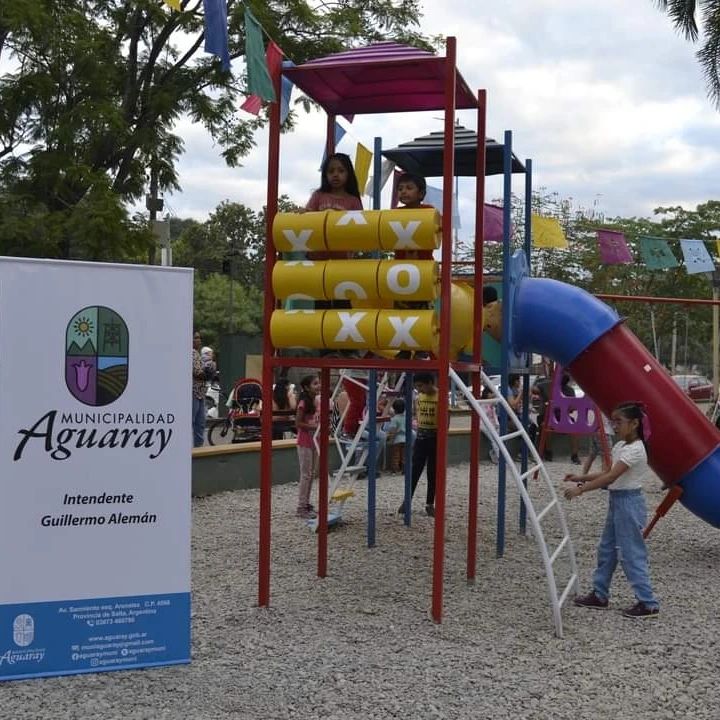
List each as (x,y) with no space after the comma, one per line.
(694,18)
(96,87)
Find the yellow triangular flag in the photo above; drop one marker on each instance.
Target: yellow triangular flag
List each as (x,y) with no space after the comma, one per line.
(363,158)
(174,4)
(547,233)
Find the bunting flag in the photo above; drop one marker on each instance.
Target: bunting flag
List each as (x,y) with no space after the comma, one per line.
(386,168)
(493,225)
(286,95)
(434,197)
(656,253)
(613,248)
(363,158)
(273,61)
(216,30)
(174,4)
(546,232)
(259,80)
(717,245)
(697,258)
(339,135)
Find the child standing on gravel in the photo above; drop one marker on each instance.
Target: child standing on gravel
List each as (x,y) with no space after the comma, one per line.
(622,537)
(425,448)
(306,422)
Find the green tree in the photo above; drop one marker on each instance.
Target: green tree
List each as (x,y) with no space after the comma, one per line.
(689,16)
(96,87)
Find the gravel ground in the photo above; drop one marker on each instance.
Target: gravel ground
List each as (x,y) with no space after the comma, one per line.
(359,644)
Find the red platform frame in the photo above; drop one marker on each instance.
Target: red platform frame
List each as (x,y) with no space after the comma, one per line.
(444,89)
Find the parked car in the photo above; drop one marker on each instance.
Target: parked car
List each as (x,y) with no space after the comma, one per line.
(696,387)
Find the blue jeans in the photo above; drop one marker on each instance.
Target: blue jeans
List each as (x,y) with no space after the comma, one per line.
(198,422)
(622,540)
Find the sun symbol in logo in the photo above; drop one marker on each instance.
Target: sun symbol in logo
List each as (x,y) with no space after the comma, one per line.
(83,326)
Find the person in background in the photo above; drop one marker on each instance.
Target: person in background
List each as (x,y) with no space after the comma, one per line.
(622,538)
(198,393)
(493,451)
(283,401)
(306,422)
(595,447)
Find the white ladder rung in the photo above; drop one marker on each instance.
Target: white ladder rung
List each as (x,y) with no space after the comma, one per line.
(510,436)
(546,509)
(529,472)
(568,587)
(559,549)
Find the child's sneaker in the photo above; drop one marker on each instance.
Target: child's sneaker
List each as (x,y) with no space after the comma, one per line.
(640,610)
(430,510)
(591,600)
(307,513)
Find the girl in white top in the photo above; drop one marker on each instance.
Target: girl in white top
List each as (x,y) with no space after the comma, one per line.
(622,539)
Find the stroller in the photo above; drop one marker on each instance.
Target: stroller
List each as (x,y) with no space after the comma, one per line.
(243,417)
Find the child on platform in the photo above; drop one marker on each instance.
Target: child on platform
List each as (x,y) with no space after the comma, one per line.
(622,539)
(411,191)
(338,186)
(306,422)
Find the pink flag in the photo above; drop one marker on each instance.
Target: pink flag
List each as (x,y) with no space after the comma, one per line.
(613,248)
(252,104)
(273,59)
(493,226)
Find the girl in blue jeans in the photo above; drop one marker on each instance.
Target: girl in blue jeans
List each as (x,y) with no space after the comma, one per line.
(622,537)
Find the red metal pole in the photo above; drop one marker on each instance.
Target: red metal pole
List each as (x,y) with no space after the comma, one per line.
(444,351)
(474,480)
(322,527)
(265,531)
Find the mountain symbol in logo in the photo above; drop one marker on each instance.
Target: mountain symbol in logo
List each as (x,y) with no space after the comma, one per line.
(96,355)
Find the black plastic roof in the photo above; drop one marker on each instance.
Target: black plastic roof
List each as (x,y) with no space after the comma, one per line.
(424,155)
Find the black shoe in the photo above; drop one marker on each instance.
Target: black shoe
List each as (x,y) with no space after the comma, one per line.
(575,460)
(401,509)
(430,510)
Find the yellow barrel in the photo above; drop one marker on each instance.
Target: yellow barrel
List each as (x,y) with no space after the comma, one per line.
(461,317)
(299,277)
(410,229)
(296,328)
(407,330)
(354,230)
(351,280)
(299,232)
(349,329)
(408,280)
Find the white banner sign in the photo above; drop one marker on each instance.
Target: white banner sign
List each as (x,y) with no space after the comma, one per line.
(95,452)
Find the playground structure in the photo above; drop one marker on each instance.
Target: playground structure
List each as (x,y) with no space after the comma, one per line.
(541,316)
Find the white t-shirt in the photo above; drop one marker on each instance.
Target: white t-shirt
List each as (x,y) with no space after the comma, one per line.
(634,456)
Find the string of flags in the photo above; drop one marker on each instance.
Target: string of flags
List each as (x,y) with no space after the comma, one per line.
(655,252)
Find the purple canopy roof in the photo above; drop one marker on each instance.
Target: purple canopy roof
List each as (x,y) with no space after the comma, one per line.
(385,77)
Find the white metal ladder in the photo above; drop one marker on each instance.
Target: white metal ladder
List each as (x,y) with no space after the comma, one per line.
(516,430)
(353,451)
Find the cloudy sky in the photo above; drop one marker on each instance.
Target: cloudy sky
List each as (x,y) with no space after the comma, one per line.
(605,97)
